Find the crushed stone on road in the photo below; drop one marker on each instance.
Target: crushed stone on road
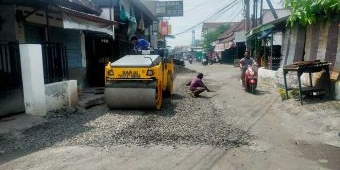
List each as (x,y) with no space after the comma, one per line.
(183,120)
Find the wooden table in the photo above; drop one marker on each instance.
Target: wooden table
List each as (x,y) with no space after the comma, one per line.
(305,67)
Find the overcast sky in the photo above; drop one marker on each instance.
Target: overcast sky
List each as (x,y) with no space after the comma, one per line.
(199,11)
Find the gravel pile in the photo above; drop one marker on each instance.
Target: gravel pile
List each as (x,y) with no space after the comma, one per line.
(183,120)
(182,69)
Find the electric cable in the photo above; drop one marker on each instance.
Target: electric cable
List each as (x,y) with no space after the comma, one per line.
(214,14)
(203,5)
(222,13)
(224,9)
(236,14)
(232,12)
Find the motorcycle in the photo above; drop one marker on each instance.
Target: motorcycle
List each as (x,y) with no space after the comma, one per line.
(190,60)
(204,62)
(211,61)
(250,79)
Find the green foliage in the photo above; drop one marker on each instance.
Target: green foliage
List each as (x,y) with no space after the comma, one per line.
(208,39)
(294,93)
(308,12)
(222,28)
(213,36)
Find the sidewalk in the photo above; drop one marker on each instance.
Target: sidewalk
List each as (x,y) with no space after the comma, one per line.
(17,123)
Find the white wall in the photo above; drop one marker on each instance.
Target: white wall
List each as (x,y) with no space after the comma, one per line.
(266,77)
(61,94)
(40,98)
(33,79)
(337,91)
(275,79)
(108,14)
(240,36)
(277,38)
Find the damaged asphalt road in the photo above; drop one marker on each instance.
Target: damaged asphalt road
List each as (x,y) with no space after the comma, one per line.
(183,120)
(226,129)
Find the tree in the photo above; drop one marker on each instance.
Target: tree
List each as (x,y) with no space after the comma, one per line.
(210,37)
(311,11)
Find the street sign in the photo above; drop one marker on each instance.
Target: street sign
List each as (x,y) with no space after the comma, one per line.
(168,8)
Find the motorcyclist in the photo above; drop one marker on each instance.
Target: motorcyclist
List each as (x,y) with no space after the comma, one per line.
(244,63)
(205,60)
(190,58)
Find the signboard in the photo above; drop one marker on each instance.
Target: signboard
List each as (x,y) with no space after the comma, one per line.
(164,27)
(168,8)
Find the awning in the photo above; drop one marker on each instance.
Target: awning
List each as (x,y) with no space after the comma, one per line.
(268,26)
(264,34)
(231,37)
(260,29)
(82,21)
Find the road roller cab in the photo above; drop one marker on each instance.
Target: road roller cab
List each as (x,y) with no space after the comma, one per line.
(138,82)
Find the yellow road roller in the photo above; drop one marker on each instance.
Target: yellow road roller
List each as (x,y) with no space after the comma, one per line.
(138,82)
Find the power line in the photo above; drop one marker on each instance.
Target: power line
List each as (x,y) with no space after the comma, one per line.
(232,12)
(214,14)
(204,10)
(203,5)
(199,5)
(236,14)
(224,9)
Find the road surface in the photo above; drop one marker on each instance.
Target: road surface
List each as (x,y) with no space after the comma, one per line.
(226,129)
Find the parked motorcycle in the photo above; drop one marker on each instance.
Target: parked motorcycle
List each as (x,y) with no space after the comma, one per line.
(250,79)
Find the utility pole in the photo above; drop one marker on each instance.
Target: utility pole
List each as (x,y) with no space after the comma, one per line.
(261,11)
(246,13)
(272,9)
(254,16)
(193,38)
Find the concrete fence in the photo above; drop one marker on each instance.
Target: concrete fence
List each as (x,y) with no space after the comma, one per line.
(275,79)
(39,98)
(61,94)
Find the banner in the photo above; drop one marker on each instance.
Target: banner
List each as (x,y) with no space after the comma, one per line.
(164,27)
